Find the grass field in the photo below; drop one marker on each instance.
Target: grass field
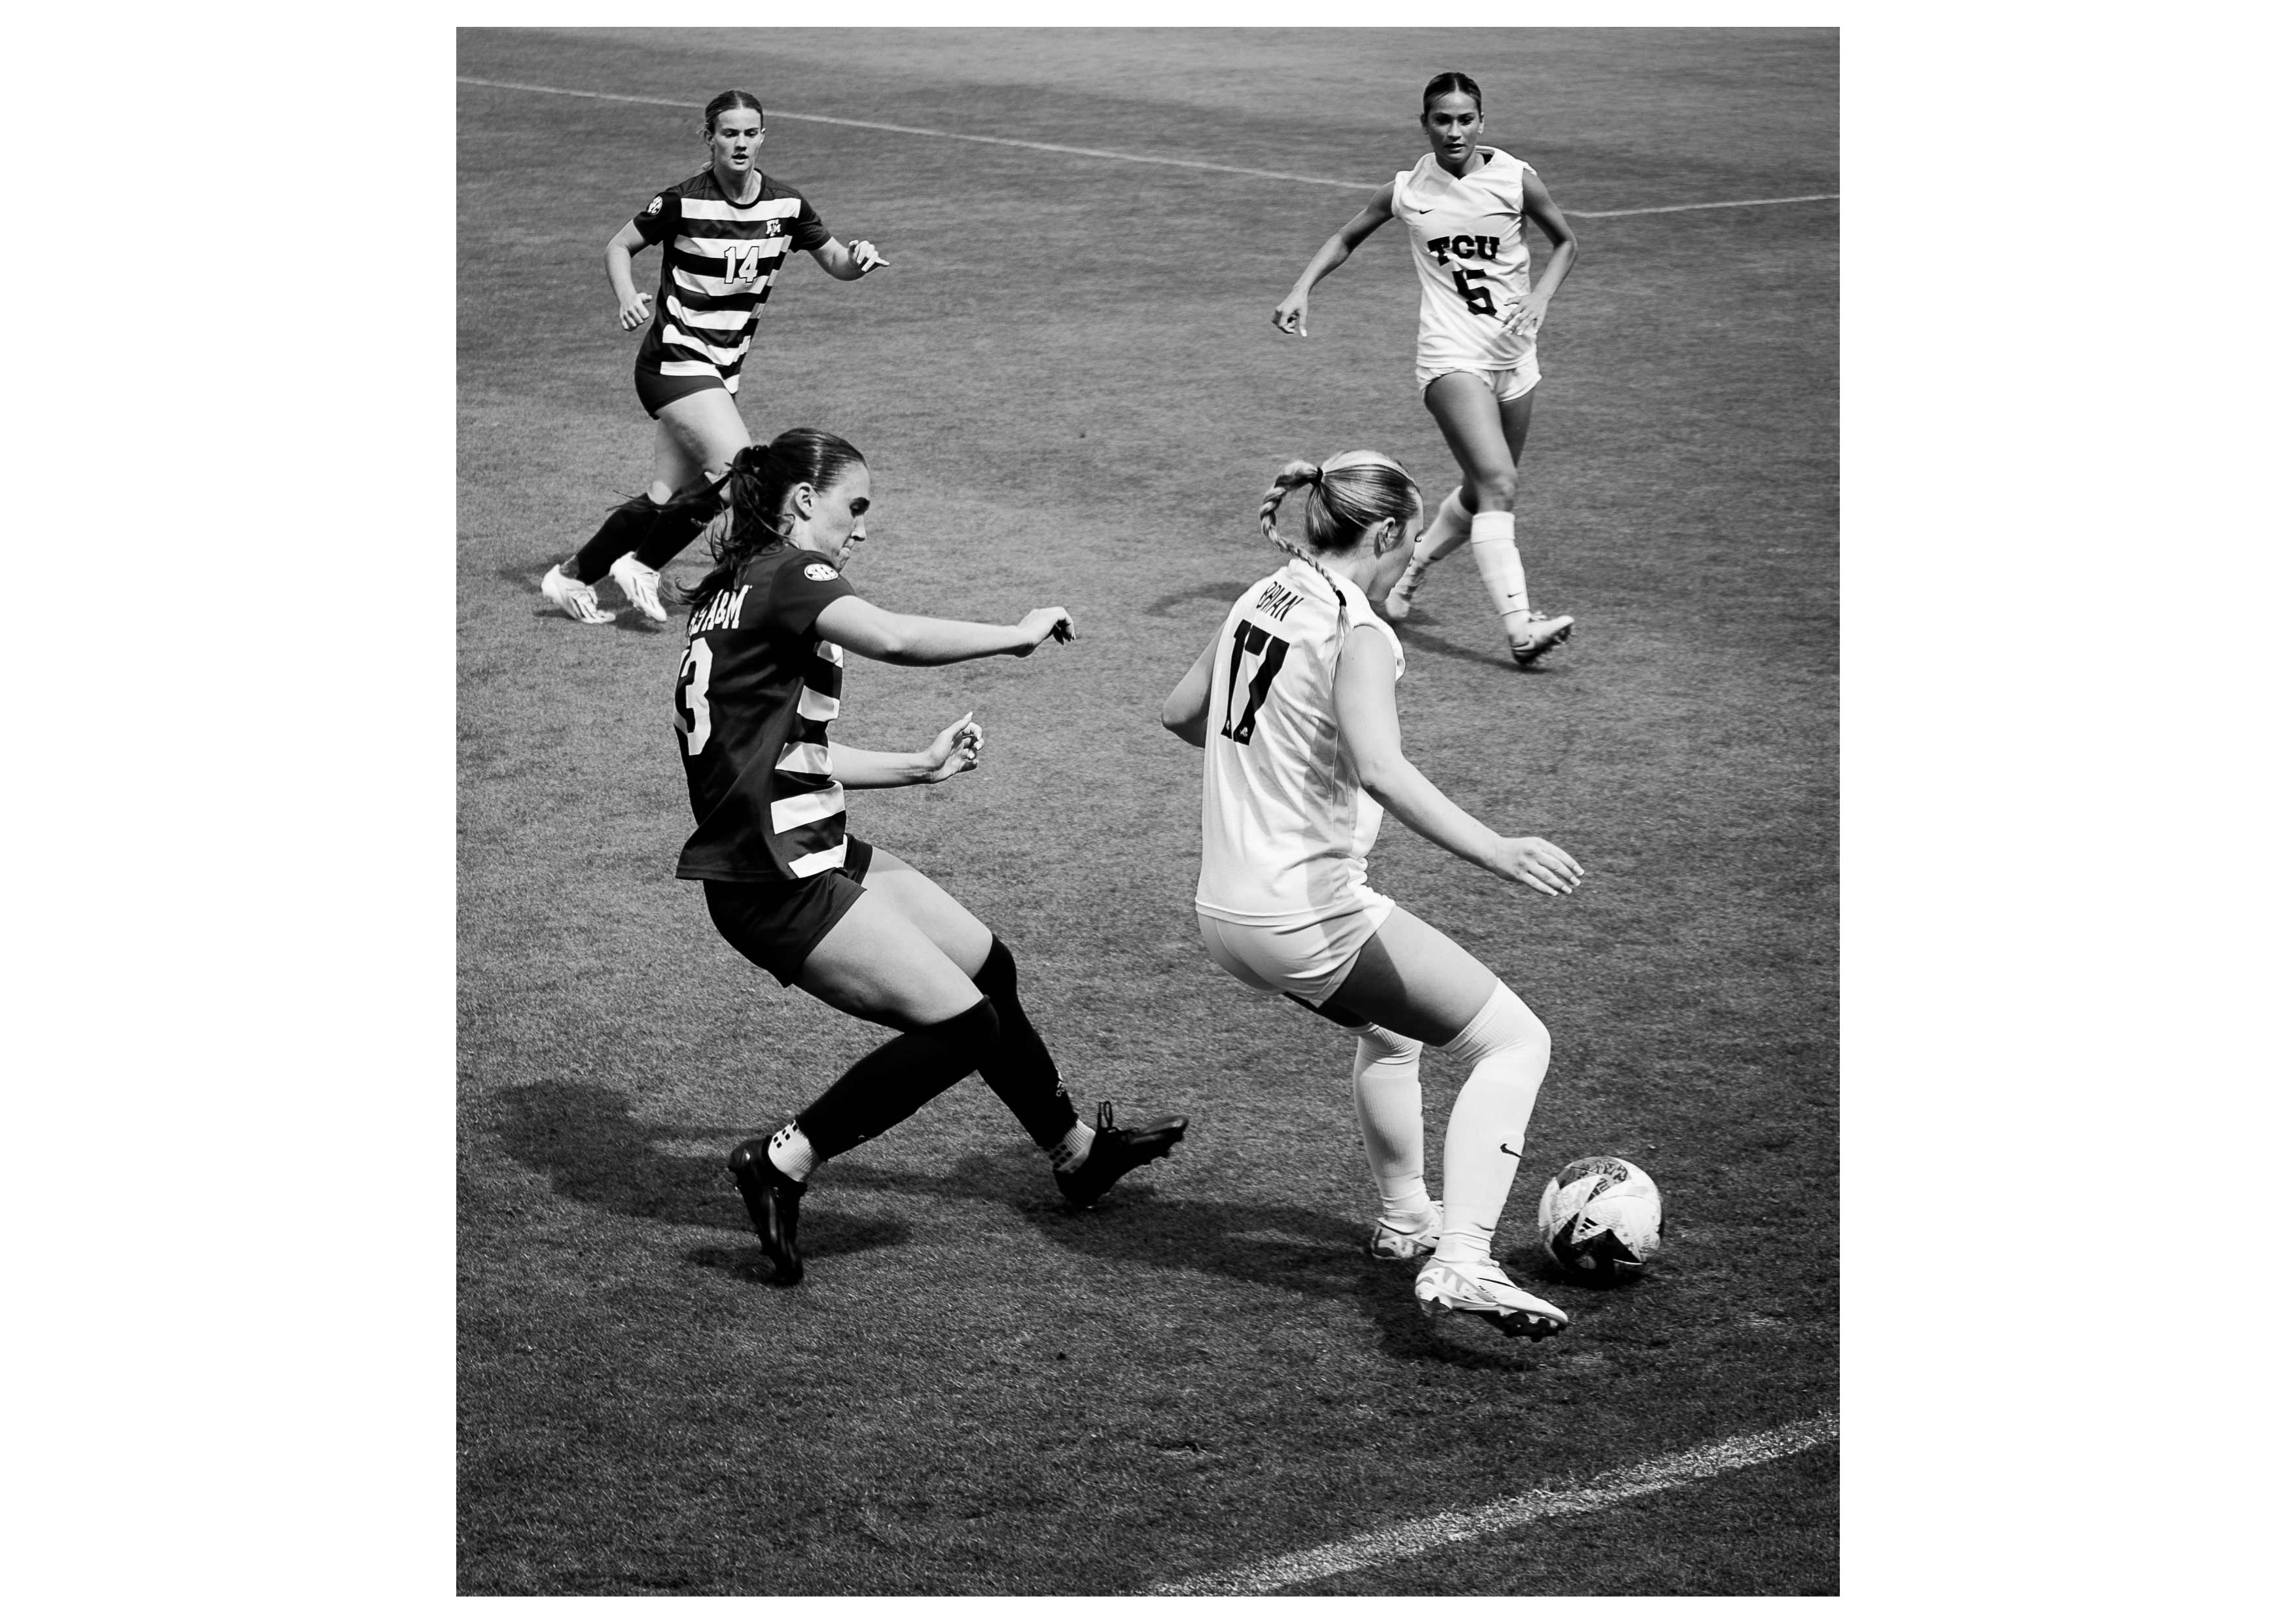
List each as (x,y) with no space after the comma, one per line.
(1068,391)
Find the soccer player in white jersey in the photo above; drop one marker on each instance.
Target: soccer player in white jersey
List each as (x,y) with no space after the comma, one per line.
(725,235)
(1479,314)
(1293,706)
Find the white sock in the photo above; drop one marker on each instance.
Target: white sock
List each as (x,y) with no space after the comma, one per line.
(791,1151)
(1508,1046)
(1492,536)
(1386,1108)
(1444,533)
(1071,1150)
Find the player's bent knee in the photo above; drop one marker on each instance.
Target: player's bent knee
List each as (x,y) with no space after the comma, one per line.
(1378,1045)
(1504,1025)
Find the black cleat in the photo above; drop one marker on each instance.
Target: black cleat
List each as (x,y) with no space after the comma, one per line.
(772,1196)
(1115,1151)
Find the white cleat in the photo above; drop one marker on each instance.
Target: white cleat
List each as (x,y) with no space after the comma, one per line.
(1546,632)
(1397,605)
(1406,1244)
(580,602)
(642,586)
(1483,1289)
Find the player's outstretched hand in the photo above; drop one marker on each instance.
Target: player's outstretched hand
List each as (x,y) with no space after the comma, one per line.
(1053,622)
(956,749)
(1291,315)
(1539,864)
(637,313)
(866,257)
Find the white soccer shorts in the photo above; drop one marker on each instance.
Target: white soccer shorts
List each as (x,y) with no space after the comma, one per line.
(1307,960)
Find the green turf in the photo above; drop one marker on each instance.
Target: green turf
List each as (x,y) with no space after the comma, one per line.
(1067,392)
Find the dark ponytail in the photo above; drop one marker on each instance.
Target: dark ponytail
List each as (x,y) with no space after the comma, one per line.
(754,488)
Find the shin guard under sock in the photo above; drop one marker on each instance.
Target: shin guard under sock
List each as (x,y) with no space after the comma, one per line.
(1508,1046)
(625,527)
(892,1082)
(1020,1072)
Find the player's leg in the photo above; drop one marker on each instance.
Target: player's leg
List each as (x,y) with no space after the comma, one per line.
(1386,1084)
(871,962)
(1467,411)
(1443,536)
(703,433)
(1412,979)
(1545,629)
(1086,1160)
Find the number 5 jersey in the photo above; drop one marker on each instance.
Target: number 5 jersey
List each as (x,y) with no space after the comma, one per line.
(1474,267)
(1286,823)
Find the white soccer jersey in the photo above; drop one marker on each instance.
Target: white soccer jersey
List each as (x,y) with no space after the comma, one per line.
(1474,265)
(1286,823)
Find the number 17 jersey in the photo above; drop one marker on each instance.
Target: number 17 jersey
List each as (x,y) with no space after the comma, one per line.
(1286,823)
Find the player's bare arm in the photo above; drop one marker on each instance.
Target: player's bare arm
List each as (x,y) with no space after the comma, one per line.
(1539,208)
(849,262)
(1188,707)
(956,749)
(1372,736)
(631,307)
(1291,315)
(860,627)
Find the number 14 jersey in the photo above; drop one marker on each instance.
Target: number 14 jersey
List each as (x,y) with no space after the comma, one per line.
(1474,265)
(1286,823)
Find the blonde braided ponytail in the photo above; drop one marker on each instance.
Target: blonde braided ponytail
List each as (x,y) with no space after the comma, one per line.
(1347,496)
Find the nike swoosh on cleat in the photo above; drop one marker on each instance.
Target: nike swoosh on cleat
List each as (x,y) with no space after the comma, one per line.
(1511,1150)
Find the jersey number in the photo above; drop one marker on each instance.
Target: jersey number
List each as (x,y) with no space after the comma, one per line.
(742,264)
(689,700)
(1479,299)
(1251,639)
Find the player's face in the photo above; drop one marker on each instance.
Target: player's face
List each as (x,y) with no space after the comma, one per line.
(733,140)
(1392,562)
(1454,124)
(839,523)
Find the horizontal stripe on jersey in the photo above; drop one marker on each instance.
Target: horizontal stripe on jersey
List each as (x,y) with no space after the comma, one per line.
(751,708)
(720,261)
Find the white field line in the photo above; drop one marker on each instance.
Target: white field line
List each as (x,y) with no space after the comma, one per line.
(1093,152)
(1414,1537)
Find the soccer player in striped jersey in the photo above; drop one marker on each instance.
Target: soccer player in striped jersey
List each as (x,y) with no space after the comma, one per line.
(822,910)
(1464,205)
(723,236)
(1300,680)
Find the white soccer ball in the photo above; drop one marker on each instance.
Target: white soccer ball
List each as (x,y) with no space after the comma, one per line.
(1600,1221)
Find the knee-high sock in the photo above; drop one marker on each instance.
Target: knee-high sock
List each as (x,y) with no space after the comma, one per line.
(892,1082)
(1019,1071)
(1386,1108)
(1444,531)
(1508,1046)
(625,527)
(680,520)
(1492,536)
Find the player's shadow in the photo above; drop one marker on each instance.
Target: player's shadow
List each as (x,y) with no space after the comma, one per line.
(1278,1248)
(585,1140)
(1171,603)
(1419,633)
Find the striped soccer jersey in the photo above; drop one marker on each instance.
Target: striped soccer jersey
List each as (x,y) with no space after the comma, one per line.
(1286,823)
(719,262)
(753,707)
(1474,265)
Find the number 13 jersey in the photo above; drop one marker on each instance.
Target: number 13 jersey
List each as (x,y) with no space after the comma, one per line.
(1286,823)
(1474,267)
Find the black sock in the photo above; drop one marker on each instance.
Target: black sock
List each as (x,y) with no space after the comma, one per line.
(680,520)
(1020,1072)
(625,527)
(892,1083)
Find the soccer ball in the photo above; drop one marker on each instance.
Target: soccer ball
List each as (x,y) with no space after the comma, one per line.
(1600,1220)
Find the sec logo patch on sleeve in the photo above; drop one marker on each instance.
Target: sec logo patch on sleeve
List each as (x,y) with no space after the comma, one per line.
(820,572)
